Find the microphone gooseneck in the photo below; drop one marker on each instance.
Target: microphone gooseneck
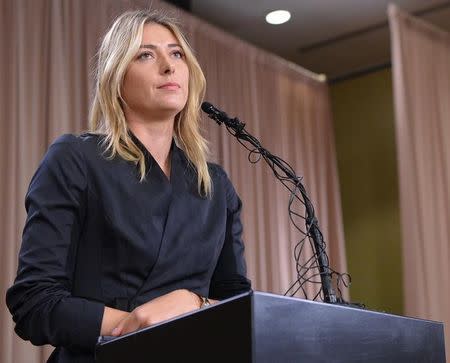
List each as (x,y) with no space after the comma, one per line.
(286,174)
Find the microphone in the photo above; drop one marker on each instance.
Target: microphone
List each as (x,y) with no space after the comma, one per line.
(221,117)
(214,113)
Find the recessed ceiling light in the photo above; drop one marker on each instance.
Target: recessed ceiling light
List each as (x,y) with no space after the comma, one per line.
(278,17)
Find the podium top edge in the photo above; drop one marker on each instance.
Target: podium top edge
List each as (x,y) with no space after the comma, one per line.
(342,306)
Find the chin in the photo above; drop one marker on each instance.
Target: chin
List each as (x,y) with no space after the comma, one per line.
(174,106)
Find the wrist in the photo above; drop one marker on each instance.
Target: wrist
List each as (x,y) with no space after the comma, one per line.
(203,301)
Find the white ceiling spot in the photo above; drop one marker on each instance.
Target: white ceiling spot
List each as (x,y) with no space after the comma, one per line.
(278,17)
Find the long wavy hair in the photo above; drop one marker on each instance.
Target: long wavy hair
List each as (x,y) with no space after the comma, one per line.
(118,48)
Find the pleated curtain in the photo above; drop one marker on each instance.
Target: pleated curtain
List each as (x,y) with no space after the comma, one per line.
(48,51)
(421,79)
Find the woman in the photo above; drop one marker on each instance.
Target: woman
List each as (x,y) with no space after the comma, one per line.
(128,225)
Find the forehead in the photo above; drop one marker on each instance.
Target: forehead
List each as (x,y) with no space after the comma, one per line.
(158,34)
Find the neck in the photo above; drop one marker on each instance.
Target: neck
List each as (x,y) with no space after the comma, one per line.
(156,136)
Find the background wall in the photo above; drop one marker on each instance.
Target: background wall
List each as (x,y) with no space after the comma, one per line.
(365,144)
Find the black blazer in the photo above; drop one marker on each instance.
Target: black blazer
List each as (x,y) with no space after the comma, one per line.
(95,235)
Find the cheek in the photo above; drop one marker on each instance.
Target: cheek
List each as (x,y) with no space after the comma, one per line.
(134,85)
(133,78)
(127,88)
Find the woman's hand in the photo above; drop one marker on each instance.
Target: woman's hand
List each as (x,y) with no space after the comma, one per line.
(165,307)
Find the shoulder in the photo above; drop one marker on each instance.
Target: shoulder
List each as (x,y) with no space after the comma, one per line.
(78,146)
(72,149)
(216,171)
(219,177)
(64,163)
(83,140)
(222,184)
(77,142)
(62,148)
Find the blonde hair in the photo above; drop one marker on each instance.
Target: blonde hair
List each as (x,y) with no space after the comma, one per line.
(118,48)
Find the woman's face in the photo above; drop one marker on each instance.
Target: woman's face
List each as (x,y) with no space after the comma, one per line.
(157,80)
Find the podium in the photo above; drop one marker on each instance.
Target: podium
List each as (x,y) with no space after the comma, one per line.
(259,327)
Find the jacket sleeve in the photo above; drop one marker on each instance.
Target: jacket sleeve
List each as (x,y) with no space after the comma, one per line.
(40,299)
(229,277)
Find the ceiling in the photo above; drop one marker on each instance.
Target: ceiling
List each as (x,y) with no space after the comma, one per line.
(340,38)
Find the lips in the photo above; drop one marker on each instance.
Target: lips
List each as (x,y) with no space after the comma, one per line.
(169,86)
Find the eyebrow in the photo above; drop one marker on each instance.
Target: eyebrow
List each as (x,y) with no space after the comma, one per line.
(152,46)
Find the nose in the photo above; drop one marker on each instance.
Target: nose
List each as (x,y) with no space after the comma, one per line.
(166,66)
(169,69)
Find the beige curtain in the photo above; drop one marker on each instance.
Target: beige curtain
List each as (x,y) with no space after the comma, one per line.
(421,76)
(288,109)
(48,49)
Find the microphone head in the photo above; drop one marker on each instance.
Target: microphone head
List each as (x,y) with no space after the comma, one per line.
(221,117)
(214,113)
(207,107)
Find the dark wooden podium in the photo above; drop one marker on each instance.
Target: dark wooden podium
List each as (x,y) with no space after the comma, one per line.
(259,327)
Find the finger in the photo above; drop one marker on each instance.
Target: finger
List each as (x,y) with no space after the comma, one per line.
(129,325)
(116,332)
(119,328)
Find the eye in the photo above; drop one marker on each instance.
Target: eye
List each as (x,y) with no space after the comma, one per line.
(145,55)
(178,54)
